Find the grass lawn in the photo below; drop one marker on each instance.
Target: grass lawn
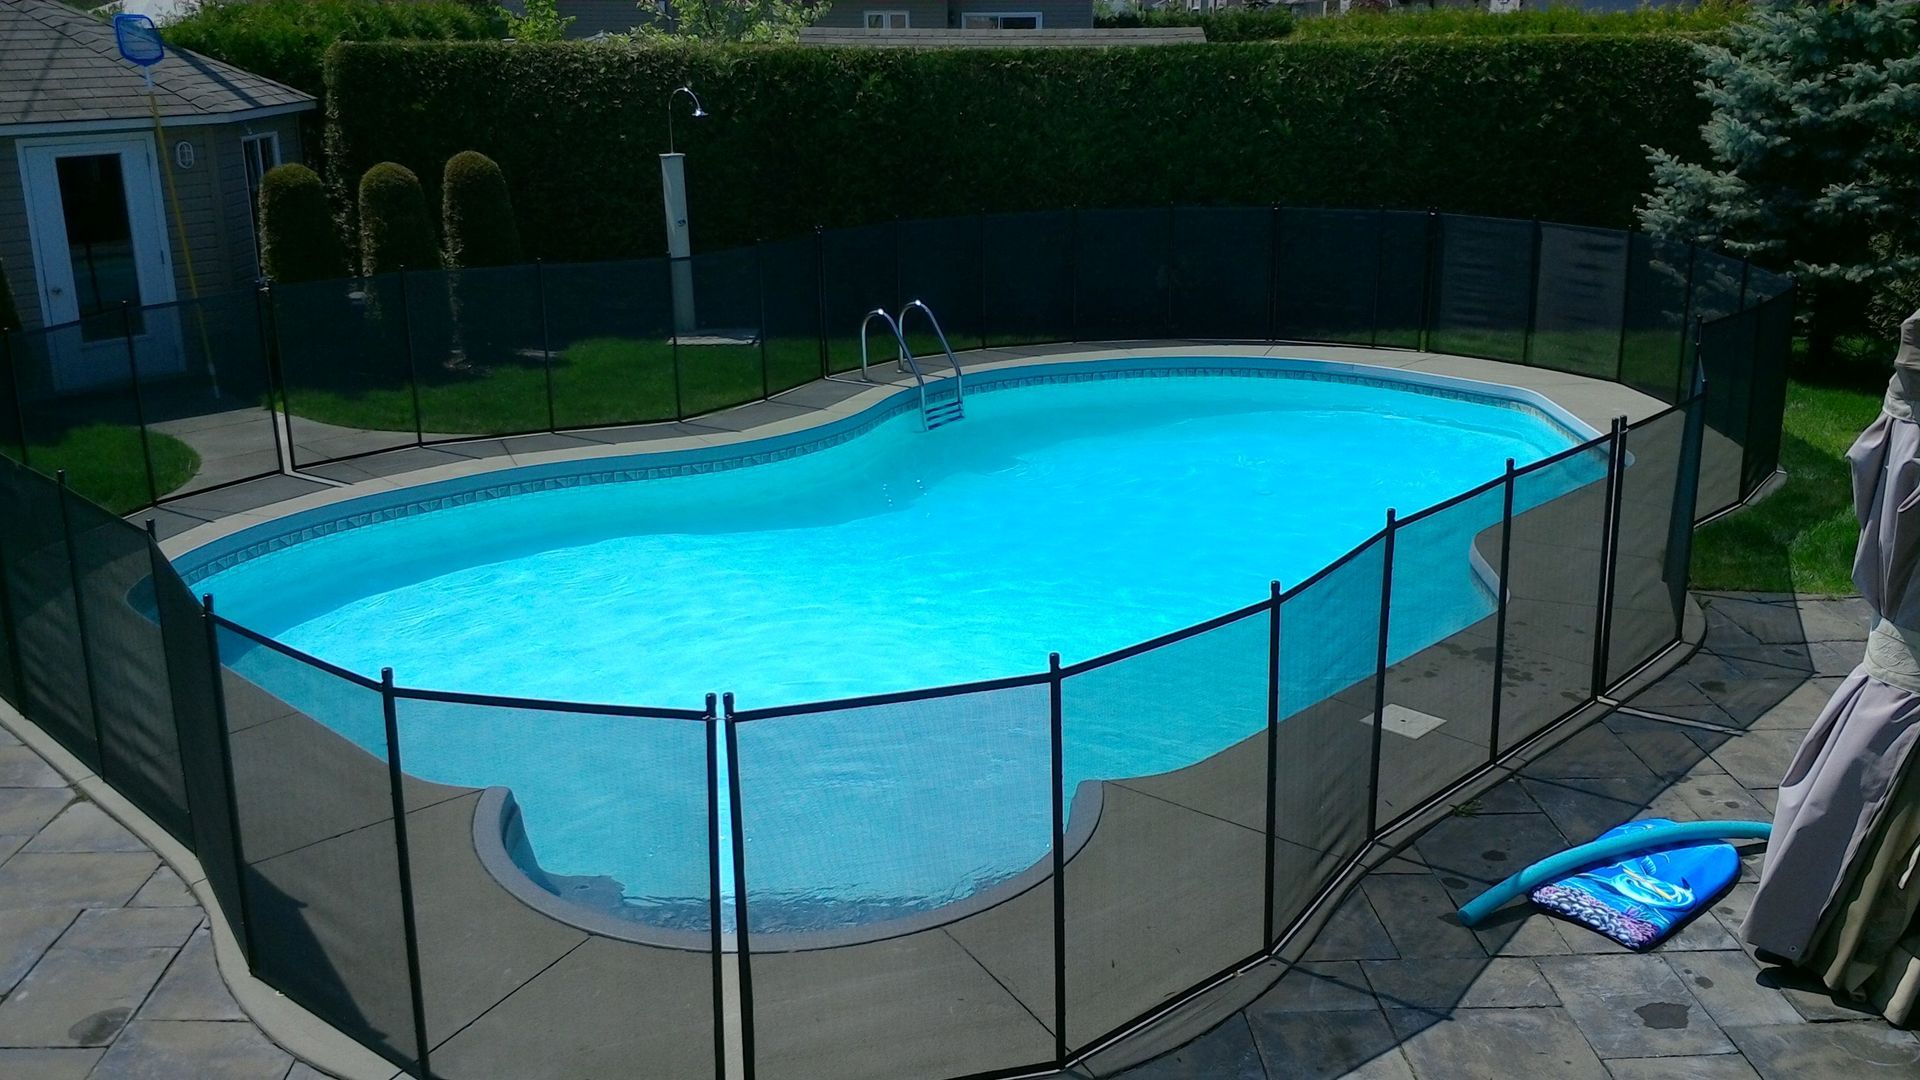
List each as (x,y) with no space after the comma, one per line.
(103,463)
(1800,537)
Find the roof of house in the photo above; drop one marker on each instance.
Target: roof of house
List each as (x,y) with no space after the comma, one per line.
(60,69)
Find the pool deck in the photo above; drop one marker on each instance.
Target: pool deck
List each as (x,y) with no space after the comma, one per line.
(530,972)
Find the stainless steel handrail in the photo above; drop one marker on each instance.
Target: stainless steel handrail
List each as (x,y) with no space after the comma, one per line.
(906,355)
(959,388)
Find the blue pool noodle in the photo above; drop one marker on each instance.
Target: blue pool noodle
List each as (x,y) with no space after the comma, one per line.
(1600,852)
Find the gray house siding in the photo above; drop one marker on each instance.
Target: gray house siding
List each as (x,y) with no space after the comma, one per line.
(921,14)
(16,250)
(1054,14)
(945,14)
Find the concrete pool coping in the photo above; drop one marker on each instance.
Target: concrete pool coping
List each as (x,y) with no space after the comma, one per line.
(1592,401)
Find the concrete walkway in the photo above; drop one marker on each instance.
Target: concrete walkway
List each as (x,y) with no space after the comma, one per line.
(1394,987)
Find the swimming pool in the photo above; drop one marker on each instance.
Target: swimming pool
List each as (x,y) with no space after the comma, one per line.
(1079,509)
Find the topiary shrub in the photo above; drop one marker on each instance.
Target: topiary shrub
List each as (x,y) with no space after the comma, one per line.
(299,240)
(476,214)
(9,318)
(395,231)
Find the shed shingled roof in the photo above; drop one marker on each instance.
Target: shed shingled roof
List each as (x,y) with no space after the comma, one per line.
(60,66)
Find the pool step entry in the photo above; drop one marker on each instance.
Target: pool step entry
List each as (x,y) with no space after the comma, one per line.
(933,413)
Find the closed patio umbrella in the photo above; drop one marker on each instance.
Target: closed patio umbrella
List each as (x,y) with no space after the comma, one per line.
(1840,886)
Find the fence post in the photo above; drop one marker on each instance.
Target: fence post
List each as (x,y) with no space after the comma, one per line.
(224,741)
(546,340)
(413,369)
(743,950)
(405,860)
(1429,279)
(716,940)
(1273,754)
(1379,259)
(1501,593)
(899,298)
(80,622)
(1380,677)
(1533,297)
(139,407)
(262,320)
(760,286)
(1058,737)
(1273,272)
(1173,219)
(1686,318)
(13,387)
(980,252)
(1609,536)
(673,341)
(1686,496)
(820,293)
(1073,274)
(11,625)
(1626,312)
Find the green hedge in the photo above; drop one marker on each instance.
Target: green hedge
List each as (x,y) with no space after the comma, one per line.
(1548,126)
(1707,17)
(299,238)
(477,213)
(395,231)
(286,40)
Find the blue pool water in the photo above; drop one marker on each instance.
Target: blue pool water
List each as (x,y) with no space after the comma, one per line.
(1077,517)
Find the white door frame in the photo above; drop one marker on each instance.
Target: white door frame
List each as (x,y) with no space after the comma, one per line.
(53,264)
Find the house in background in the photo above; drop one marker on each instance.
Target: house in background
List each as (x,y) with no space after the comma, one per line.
(89,194)
(892,15)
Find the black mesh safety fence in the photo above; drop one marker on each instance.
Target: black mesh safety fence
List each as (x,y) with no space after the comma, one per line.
(1656,351)
(789,274)
(206,393)
(860,273)
(610,329)
(13,433)
(1647,601)
(1164,776)
(46,638)
(346,372)
(722,352)
(1403,277)
(1027,266)
(1320,759)
(1580,297)
(1325,277)
(585,972)
(1766,389)
(139,748)
(1726,356)
(922,894)
(1123,274)
(477,352)
(1223,272)
(79,410)
(940,266)
(1483,295)
(319,841)
(1555,569)
(1440,681)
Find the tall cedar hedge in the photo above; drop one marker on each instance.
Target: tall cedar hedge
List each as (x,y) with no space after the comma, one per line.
(395,231)
(299,239)
(1547,126)
(9,318)
(477,214)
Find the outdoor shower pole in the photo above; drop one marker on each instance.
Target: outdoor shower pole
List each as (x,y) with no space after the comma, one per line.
(673,200)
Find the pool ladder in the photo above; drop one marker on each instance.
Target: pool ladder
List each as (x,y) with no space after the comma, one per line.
(934,411)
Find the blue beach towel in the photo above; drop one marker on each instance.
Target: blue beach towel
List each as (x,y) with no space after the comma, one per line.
(1639,901)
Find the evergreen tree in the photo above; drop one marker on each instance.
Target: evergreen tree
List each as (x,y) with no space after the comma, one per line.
(395,231)
(476,213)
(1812,161)
(299,239)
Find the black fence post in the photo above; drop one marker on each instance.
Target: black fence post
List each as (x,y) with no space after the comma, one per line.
(1273,756)
(673,342)
(1274,248)
(65,493)
(413,368)
(1626,312)
(1430,279)
(980,251)
(716,940)
(760,287)
(1680,378)
(232,793)
(1533,297)
(1379,260)
(1686,495)
(139,407)
(11,625)
(1380,676)
(1501,594)
(263,322)
(899,297)
(1058,741)
(405,860)
(546,340)
(820,293)
(1073,274)
(743,950)
(1173,220)
(13,388)
(1609,542)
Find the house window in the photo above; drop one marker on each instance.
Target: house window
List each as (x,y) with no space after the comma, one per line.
(260,152)
(1000,20)
(888,20)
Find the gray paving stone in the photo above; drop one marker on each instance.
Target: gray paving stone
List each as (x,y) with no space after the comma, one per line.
(1487,849)
(166,1050)
(23,811)
(1225,1053)
(1633,1006)
(192,988)
(1595,751)
(1803,1051)
(25,933)
(1661,746)
(83,826)
(303,1071)
(21,767)
(1506,797)
(1336,986)
(1582,809)
(1799,708)
(1716,1067)
(1810,999)
(47,1062)
(163,889)
(1420,918)
(1353,932)
(79,997)
(1525,1044)
(1728,985)
(1758,759)
(92,879)
(1326,1045)
(115,928)
(1440,984)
